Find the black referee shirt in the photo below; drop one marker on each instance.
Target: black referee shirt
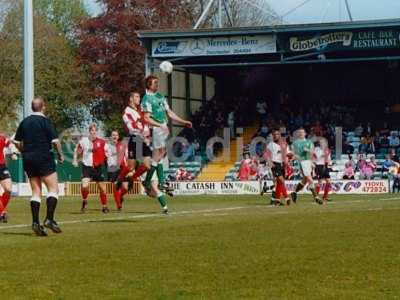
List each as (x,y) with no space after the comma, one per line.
(37,133)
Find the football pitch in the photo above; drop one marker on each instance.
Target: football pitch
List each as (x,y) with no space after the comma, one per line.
(209,247)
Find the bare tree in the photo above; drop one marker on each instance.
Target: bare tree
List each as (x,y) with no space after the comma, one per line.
(237,13)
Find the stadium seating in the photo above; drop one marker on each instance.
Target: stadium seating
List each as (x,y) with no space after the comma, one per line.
(193,167)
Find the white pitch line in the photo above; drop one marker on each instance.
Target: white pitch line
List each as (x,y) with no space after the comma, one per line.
(187,212)
(143,216)
(389,199)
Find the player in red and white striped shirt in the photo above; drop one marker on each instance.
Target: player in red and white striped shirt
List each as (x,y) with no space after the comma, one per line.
(116,162)
(5,178)
(139,141)
(276,156)
(94,153)
(322,159)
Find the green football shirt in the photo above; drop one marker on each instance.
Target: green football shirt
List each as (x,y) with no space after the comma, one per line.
(157,105)
(302,148)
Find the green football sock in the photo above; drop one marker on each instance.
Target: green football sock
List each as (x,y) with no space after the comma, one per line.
(160,173)
(149,175)
(163,200)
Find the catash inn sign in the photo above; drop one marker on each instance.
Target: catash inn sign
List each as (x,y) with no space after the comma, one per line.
(357,40)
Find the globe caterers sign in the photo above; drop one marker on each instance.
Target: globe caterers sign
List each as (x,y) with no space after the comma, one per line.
(354,40)
(235,45)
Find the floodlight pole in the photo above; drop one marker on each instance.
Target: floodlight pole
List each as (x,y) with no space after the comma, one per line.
(28,58)
(348,10)
(204,14)
(220,13)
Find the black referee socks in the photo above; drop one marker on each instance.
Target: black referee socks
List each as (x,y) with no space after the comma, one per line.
(51,207)
(35,208)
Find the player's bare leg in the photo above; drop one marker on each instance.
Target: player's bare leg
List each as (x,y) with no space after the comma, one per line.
(6,184)
(103,197)
(156,193)
(307,180)
(36,186)
(85,193)
(312,189)
(51,182)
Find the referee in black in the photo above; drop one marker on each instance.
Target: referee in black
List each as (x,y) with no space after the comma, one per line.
(34,138)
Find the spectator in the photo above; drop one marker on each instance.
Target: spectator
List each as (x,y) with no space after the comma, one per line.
(388,164)
(385,130)
(367,169)
(394,141)
(253,169)
(384,141)
(189,151)
(348,171)
(299,121)
(263,132)
(244,170)
(264,172)
(318,129)
(396,179)
(393,156)
(348,148)
(367,145)
(282,128)
(182,175)
(359,130)
(262,107)
(377,140)
(368,128)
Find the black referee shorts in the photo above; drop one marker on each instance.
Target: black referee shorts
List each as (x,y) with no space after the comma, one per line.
(38,164)
(135,144)
(4,173)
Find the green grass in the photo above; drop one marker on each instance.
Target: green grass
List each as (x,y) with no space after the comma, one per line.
(210,247)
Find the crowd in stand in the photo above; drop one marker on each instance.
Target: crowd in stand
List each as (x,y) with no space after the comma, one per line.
(360,137)
(321,120)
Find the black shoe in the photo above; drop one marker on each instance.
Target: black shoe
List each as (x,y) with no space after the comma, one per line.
(165,210)
(165,187)
(52,225)
(83,208)
(105,210)
(293,195)
(4,218)
(39,229)
(319,201)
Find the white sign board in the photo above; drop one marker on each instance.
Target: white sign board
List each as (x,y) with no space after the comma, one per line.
(216,188)
(254,187)
(347,186)
(24,190)
(235,45)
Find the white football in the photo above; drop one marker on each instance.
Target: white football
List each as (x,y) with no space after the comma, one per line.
(166,67)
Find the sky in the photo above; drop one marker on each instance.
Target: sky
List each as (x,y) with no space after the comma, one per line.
(317,11)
